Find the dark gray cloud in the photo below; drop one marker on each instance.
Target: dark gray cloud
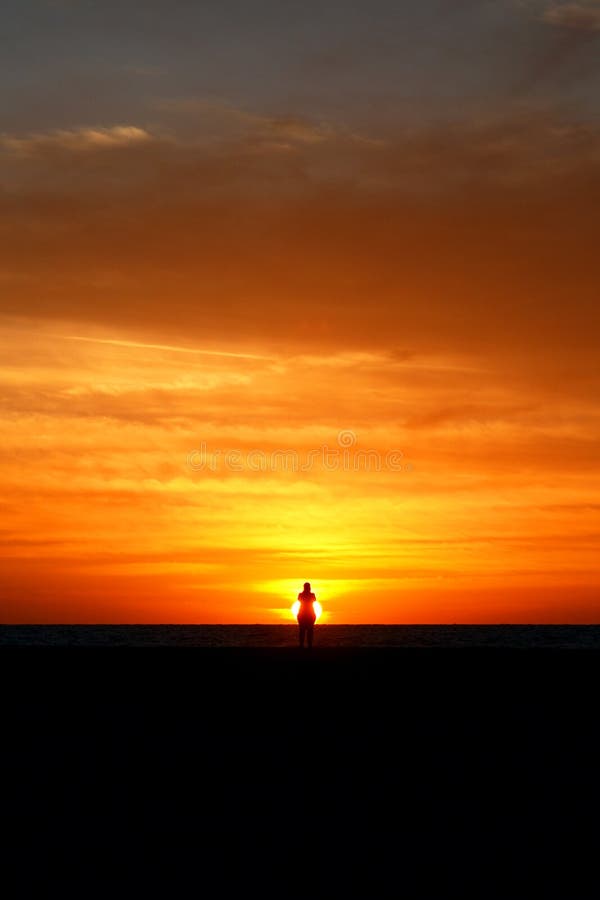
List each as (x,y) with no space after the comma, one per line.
(347,62)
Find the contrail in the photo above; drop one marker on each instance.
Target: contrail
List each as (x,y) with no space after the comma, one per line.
(169,347)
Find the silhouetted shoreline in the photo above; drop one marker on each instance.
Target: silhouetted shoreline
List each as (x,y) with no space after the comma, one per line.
(285,636)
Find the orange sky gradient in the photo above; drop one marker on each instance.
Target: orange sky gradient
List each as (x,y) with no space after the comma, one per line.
(111,513)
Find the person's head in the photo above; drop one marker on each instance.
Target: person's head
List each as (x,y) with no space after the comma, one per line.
(307,587)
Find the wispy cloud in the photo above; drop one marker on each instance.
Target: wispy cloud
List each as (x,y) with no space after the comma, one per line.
(168,347)
(565,53)
(76,139)
(579,16)
(226,120)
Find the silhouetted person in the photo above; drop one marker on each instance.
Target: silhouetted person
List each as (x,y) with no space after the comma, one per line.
(306,615)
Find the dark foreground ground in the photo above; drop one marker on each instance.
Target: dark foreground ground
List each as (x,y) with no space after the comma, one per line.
(371,772)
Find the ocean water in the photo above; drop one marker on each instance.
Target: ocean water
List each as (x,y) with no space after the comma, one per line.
(273,636)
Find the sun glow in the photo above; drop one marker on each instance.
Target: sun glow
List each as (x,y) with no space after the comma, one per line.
(316,606)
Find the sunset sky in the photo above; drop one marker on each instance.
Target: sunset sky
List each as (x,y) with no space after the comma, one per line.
(238,235)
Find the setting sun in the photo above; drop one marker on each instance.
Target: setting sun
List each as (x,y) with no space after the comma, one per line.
(316,606)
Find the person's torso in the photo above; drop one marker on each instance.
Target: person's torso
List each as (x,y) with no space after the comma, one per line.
(306,605)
